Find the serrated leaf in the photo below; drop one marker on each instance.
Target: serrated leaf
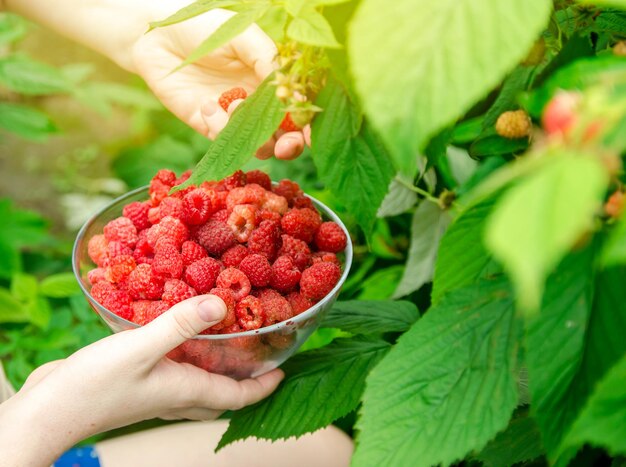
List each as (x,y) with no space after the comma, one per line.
(427,227)
(25,121)
(371,317)
(273,22)
(191,11)
(448,56)
(398,199)
(381,284)
(354,165)
(462,167)
(11,311)
(22,74)
(24,287)
(39,312)
(614,251)
(514,84)
(310,27)
(448,385)
(59,285)
(250,126)
(543,216)
(320,386)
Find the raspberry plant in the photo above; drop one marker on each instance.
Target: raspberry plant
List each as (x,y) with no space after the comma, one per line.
(519,351)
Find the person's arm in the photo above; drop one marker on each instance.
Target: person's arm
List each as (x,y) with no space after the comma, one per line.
(120,380)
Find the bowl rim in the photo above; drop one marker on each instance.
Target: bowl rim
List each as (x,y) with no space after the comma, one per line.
(291,322)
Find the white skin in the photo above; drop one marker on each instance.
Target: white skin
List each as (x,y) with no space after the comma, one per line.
(119,380)
(116,28)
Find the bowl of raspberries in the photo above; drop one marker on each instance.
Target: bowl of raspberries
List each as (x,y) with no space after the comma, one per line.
(276,257)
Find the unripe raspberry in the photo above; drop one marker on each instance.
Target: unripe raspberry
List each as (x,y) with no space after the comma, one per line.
(619,49)
(513,124)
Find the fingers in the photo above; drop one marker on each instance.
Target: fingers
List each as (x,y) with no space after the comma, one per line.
(180,323)
(214,117)
(267,150)
(256,50)
(306,132)
(289,146)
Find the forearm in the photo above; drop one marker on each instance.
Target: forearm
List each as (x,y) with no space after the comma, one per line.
(110,27)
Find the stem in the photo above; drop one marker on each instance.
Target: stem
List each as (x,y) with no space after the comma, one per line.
(418,190)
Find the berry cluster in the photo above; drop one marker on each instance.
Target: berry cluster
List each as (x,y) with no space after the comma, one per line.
(263,249)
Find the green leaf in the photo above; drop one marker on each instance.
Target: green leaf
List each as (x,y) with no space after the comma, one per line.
(320,386)
(230,29)
(12,28)
(273,22)
(350,158)
(371,317)
(27,76)
(614,251)
(448,385)
(427,227)
(25,121)
(518,81)
(39,312)
(11,311)
(190,11)
(447,57)
(467,131)
(60,285)
(602,422)
(462,167)
(543,217)
(251,125)
(398,199)
(381,284)
(310,27)
(123,94)
(24,287)
(495,145)
(614,3)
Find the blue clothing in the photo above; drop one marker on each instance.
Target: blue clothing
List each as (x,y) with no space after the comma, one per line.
(85,456)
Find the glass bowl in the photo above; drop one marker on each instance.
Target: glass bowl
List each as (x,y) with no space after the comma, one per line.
(239,355)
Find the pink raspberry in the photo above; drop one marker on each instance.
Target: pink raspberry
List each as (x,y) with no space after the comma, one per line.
(330,237)
(115,300)
(143,252)
(197,207)
(236,281)
(176,291)
(140,311)
(202,274)
(96,275)
(160,185)
(221,215)
(318,280)
(275,203)
(299,303)
(169,227)
(119,268)
(172,207)
(242,221)
(265,239)
(121,230)
(285,274)
(116,248)
(257,269)
(144,283)
(249,194)
(192,252)
(167,260)
(288,189)
(266,215)
(97,248)
(260,178)
(216,237)
(275,306)
(234,255)
(249,312)
(297,249)
(301,223)
(227,296)
(137,212)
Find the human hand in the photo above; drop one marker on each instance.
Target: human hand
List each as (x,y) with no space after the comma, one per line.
(123,379)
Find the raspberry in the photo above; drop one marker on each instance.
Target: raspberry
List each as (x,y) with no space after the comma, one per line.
(202,274)
(121,230)
(321,256)
(176,291)
(227,97)
(143,252)
(249,194)
(236,281)
(96,275)
(183,177)
(318,280)
(260,178)
(97,250)
(297,249)
(119,268)
(144,283)
(160,185)
(288,125)
(167,260)
(299,303)
(221,215)
(233,256)
(302,202)
(615,205)
(301,223)
(275,203)
(257,269)
(275,306)
(216,237)
(227,296)
(265,215)
(137,212)
(619,49)
(331,237)
(280,341)
(116,248)
(140,311)
(285,274)
(288,189)
(192,252)
(242,221)
(168,227)
(156,309)
(197,207)
(249,312)
(115,300)
(169,207)
(559,116)
(513,124)
(265,239)
(235,180)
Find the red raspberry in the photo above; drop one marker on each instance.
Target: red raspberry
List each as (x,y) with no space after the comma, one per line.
(144,283)
(168,227)
(169,207)
(197,207)
(280,341)
(249,312)
(216,237)
(301,223)
(121,230)
(297,249)
(257,268)
(176,291)
(320,256)
(287,188)
(299,303)
(249,194)
(167,260)
(143,252)
(288,125)
(156,309)
(265,215)
(119,268)
(115,300)
(140,311)
(260,178)
(265,239)
(285,274)
(97,250)
(183,177)
(221,216)
(275,203)
(330,237)
(160,185)
(202,274)
(242,221)
(96,275)
(192,252)
(116,248)
(233,256)
(227,296)
(236,281)
(318,280)
(560,115)
(302,202)
(227,97)
(614,206)
(235,180)
(137,212)
(275,306)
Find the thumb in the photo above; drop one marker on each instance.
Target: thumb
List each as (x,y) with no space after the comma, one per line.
(182,322)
